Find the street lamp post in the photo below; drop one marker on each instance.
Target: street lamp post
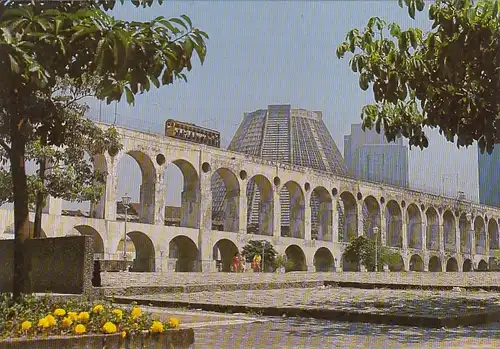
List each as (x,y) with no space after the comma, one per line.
(263,257)
(125,202)
(375,231)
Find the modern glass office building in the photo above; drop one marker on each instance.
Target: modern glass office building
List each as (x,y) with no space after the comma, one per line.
(280,133)
(369,156)
(489,177)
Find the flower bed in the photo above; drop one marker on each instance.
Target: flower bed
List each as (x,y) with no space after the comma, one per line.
(42,319)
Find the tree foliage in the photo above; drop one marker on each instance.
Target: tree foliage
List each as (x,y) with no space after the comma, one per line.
(68,173)
(43,42)
(254,247)
(361,251)
(447,78)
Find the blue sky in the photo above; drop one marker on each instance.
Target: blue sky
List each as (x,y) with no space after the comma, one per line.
(270,52)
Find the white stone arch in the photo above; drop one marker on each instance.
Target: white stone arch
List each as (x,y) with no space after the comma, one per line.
(493,234)
(320,202)
(414,223)
(292,203)
(435,264)
(260,205)
(432,229)
(190,195)
(98,240)
(416,263)
(144,252)
(371,216)
(480,235)
(296,254)
(148,171)
(225,200)
(449,231)
(394,223)
(452,265)
(348,216)
(185,252)
(224,250)
(324,260)
(465,235)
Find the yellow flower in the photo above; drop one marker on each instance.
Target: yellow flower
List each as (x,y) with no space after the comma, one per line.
(52,320)
(136,312)
(43,323)
(98,308)
(66,322)
(173,322)
(83,316)
(59,312)
(73,315)
(118,313)
(80,329)
(157,326)
(109,327)
(26,325)
(135,326)
(124,334)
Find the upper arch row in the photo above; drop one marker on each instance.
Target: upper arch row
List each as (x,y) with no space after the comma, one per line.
(154,153)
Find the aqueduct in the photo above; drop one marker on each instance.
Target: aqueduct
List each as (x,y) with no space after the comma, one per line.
(430,233)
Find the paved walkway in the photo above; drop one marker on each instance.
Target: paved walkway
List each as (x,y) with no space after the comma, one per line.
(300,333)
(382,301)
(477,279)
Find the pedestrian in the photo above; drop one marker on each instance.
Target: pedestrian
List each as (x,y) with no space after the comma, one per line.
(236,262)
(96,274)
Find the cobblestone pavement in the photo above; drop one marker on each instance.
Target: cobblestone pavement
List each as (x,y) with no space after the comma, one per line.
(122,279)
(299,333)
(360,300)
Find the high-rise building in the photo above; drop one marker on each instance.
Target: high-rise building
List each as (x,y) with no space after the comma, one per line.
(489,177)
(280,133)
(369,156)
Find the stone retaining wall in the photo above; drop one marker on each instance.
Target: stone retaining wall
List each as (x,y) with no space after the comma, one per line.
(59,265)
(172,339)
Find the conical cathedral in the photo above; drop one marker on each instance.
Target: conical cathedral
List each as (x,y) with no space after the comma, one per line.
(280,133)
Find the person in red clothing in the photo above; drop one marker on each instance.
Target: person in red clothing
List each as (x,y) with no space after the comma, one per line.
(236,262)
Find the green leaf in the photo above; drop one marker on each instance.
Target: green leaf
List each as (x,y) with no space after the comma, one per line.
(180,22)
(411,10)
(363,82)
(187,19)
(420,5)
(188,47)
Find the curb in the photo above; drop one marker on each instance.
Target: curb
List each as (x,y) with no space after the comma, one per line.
(374,285)
(329,314)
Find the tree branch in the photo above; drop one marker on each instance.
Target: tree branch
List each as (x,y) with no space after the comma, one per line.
(5,146)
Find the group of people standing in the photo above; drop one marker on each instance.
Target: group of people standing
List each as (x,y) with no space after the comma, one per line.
(238,265)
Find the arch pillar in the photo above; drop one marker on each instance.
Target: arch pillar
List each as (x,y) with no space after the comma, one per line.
(159,202)
(404,233)
(190,205)
(106,207)
(231,207)
(335,223)
(472,239)
(441,236)
(243,206)
(325,221)
(276,220)
(361,229)
(458,244)
(307,223)
(205,260)
(383,227)
(53,206)
(426,262)
(423,232)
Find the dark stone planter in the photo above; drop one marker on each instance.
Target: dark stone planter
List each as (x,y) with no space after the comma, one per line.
(172,339)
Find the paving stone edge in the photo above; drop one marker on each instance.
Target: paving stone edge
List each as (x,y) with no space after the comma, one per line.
(330,314)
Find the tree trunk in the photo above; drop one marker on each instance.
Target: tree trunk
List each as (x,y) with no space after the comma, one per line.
(21,212)
(40,196)
(37,231)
